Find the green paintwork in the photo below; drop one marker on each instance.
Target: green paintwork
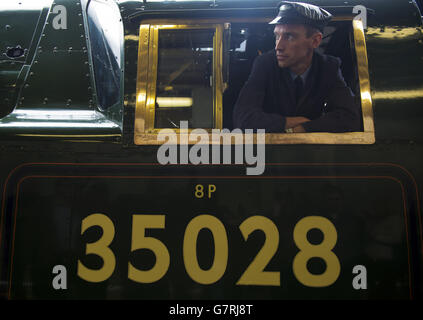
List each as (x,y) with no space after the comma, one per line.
(21,24)
(79,160)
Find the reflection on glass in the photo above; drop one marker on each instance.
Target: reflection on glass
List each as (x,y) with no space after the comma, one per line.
(105,37)
(185,78)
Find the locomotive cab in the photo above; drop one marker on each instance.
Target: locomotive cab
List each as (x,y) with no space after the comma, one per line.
(88,87)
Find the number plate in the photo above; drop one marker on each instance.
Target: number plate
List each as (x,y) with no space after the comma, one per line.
(204,237)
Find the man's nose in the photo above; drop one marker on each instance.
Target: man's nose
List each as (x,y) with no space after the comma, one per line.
(280,45)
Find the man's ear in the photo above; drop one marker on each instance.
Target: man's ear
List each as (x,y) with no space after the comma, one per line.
(316,39)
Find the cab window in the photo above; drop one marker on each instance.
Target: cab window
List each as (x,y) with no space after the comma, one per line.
(195,72)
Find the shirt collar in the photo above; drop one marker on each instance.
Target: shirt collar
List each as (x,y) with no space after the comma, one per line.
(303,76)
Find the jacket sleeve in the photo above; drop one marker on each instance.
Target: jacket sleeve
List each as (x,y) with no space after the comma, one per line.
(343,114)
(249,109)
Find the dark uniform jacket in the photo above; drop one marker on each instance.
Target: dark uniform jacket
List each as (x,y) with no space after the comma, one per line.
(268,97)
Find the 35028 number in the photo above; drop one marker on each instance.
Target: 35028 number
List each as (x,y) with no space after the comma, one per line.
(254,273)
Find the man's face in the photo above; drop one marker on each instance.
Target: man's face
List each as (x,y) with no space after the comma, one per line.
(293,48)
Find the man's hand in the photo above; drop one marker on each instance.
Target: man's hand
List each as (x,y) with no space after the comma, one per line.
(292,122)
(298,129)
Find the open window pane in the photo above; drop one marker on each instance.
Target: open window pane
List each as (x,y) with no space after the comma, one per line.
(249,40)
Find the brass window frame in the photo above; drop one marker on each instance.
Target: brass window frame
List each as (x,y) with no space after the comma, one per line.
(146,134)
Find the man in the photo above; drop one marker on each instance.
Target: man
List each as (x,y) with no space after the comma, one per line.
(293,88)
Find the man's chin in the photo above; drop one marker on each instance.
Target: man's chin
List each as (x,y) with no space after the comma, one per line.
(283,64)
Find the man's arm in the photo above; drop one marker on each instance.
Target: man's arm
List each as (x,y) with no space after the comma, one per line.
(296,123)
(249,108)
(343,112)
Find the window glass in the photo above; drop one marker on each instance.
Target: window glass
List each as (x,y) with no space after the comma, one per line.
(185,78)
(105,30)
(420,5)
